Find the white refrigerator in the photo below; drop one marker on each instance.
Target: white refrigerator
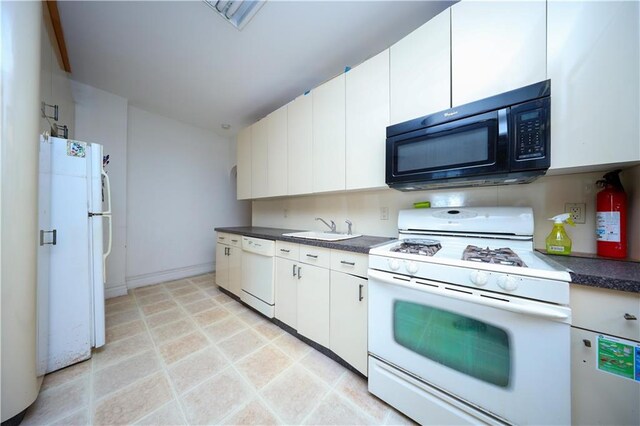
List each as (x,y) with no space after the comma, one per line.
(74,207)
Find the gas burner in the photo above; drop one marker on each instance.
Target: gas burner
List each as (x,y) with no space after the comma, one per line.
(422,247)
(501,256)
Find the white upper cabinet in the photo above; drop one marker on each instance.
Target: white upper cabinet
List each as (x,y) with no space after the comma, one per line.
(595,93)
(277,152)
(329,136)
(496,47)
(421,71)
(300,145)
(259,159)
(367,117)
(243,161)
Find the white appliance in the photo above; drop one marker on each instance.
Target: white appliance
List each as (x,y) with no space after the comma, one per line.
(258,274)
(74,201)
(467,323)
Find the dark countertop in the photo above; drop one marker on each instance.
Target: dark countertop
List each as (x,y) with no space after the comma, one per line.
(358,245)
(593,271)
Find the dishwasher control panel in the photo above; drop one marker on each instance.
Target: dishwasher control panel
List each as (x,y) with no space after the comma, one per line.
(259,246)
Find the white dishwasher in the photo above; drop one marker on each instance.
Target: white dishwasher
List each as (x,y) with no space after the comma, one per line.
(258,274)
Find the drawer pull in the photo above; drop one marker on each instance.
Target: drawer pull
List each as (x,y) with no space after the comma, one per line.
(313,256)
(235,241)
(630,317)
(221,238)
(360,297)
(344,262)
(285,250)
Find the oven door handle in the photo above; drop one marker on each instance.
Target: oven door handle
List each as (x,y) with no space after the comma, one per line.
(526,309)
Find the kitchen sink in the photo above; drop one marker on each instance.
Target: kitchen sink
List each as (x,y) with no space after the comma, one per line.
(322,236)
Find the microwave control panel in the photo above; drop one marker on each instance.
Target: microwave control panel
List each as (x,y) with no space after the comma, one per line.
(530,134)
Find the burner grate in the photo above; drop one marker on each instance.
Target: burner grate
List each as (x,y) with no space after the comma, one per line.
(500,256)
(422,247)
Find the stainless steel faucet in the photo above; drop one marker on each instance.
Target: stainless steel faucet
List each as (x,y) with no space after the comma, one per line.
(332,226)
(349,224)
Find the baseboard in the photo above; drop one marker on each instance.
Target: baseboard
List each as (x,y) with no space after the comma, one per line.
(169,275)
(115,291)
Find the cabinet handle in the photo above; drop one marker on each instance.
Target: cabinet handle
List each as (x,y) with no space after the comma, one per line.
(221,238)
(294,270)
(344,262)
(630,317)
(360,297)
(285,250)
(235,241)
(227,251)
(313,256)
(299,272)
(587,342)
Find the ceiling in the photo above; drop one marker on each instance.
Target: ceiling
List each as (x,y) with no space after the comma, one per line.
(182,60)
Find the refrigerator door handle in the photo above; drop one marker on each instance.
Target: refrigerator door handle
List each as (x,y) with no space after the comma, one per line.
(107,184)
(107,214)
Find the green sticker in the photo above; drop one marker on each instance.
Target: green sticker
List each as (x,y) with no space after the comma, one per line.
(615,356)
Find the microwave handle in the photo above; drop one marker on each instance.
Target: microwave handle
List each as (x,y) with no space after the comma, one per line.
(503,126)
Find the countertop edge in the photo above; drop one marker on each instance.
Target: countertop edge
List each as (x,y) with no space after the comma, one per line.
(363,243)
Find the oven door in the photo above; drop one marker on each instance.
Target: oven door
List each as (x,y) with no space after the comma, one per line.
(508,356)
(473,146)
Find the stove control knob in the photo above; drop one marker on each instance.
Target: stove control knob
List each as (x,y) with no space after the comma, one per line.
(507,283)
(412,267)
(479,278)
(394,264)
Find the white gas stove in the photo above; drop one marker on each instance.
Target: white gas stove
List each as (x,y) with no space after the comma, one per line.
(468,319)
(498,242)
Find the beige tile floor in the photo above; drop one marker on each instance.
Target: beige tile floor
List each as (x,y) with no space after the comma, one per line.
(182,352)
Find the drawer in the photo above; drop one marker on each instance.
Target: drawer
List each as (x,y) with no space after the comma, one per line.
(287,250)
(350,263)
(230,239)
(604,311)
(224,238)
(315,256)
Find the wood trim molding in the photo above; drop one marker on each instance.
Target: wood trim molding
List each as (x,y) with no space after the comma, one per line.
(52,6)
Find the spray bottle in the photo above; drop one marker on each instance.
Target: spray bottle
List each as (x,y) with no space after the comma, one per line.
(558,242)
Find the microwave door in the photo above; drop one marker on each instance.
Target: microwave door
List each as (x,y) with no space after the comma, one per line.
(468,147)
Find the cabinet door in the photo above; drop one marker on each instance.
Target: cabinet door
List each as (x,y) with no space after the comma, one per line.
(329,136)
(222,265)
(367,118)
(420,72)
(599,398)
(243,157)
(593,61)
(313,303)
(259,159)
(277,152)
(349,319)
(234,267)
(300,145)
(286,291)
(496,47)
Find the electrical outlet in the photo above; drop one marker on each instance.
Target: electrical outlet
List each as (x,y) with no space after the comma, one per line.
(384,213)
(577,211)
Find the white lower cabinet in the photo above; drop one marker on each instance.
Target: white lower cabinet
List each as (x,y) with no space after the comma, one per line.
(349,319)
(228,260)
(602,321)
(313,303)
(286,291)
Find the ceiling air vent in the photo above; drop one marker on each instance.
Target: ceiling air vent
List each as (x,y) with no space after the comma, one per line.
(238,12)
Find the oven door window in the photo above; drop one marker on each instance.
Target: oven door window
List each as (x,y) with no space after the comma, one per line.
(465,344)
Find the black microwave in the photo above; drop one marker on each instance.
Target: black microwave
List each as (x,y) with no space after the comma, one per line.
(501,140)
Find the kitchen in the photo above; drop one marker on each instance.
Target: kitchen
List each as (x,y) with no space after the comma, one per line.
(144,157)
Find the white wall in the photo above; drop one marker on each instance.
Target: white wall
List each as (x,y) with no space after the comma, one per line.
(546,196)
(180,187)
(101,117)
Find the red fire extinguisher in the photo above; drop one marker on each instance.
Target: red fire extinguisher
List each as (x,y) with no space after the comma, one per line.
(611,217)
